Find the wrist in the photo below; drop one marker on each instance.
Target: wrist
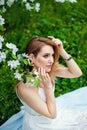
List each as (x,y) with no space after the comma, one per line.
(65,55)
(48,87)
(69,58)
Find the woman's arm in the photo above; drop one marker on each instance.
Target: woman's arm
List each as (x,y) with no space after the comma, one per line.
(72,70)
(48,88)
(31,97)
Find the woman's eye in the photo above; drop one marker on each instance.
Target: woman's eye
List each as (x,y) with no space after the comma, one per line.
(45,55)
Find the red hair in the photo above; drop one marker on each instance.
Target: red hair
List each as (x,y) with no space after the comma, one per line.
(35,45)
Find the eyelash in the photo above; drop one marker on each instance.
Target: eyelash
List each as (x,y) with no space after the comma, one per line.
(45,56)
(48,55)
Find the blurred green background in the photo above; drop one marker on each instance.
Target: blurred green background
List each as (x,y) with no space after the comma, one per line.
(67,21)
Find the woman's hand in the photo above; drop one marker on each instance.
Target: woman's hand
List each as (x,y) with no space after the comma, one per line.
(58,42)
(20,84)
(45,78)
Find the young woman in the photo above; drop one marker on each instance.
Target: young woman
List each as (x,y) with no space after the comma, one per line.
(42,111)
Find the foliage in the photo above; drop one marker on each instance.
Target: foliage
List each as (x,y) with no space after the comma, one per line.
(66,21)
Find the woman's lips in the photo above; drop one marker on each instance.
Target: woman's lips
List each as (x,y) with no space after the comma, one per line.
(49,66)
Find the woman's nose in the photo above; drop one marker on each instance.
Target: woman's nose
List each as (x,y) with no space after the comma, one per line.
(51,59)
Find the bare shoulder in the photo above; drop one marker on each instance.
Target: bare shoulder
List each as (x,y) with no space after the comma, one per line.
(24,91)
(31,97)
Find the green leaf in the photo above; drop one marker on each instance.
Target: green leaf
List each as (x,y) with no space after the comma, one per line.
(36,81)
(14,56)
(2,28)
(28,79)
(6,52)
(25,61)
(73,80)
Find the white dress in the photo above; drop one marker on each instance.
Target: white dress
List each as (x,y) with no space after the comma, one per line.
(71,113)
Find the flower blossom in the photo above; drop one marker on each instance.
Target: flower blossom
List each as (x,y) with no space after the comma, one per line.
(66,0)
(32,0)
(25,55)
(37,7)
(17,75)
(0,45)
(10,2)
(13,47)
(36,73)
(1,39)
(24,1)
(13,63)
(2,20)
(60,1)
(2,56)
(2,2)
(72,1)
(28,6)
(3,9)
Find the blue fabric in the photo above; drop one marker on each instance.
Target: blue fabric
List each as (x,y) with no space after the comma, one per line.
(14,123)
(76,99)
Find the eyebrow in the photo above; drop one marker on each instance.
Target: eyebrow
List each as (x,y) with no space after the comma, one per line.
(48,53)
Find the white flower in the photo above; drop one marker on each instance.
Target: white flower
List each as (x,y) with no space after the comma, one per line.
(28,6)
(10,45)
(13,47)
(2,20)
(3,9)
(37,7)
(66,0)
(2,56)
(0,45)
(72,1)
(10,2)
(25,55)
(32,0)
(36,73)
(1,39)
(13,63)
(2,2)
(17,75)
(24,1)
(19,56)
(60,1)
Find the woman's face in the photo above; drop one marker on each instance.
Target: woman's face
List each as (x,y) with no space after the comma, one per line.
(45,58)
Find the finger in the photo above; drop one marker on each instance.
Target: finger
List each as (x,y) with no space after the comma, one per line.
(20,83)
(51,37)
(42,73)
(39,72)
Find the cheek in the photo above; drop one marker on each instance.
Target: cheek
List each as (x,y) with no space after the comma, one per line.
(41,63)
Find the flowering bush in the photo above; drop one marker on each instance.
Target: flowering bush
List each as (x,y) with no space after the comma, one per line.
(29,5)
(10,57)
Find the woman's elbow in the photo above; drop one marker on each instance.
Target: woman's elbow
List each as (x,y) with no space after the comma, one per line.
(53,116)
(79,74)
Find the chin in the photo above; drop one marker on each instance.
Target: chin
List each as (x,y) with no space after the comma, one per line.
(48,70)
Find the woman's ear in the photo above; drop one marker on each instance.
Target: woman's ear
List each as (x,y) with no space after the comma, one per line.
(31,57)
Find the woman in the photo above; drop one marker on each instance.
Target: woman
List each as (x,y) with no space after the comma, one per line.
(42,111)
